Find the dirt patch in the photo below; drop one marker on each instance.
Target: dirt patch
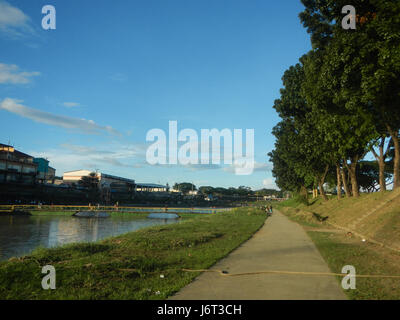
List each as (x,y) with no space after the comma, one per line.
(324,230)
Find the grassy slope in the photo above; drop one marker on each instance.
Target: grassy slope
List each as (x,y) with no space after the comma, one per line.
(340,249)
(129,266)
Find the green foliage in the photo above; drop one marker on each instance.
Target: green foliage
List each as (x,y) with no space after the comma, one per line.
(241,191)
(91,182)
(185,187)
(301,199)
(343,95)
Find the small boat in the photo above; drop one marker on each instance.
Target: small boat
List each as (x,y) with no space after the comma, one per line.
(163,216)
(91,214)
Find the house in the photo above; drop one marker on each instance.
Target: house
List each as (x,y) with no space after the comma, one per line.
(16,167)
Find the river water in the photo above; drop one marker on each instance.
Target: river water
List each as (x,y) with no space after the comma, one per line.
(20,235)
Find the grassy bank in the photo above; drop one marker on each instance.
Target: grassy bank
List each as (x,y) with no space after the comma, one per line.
(380,215)
(145,264)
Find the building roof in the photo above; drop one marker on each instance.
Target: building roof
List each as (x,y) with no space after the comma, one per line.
(150,185)
(104,175)
(40,159)
(15,152)
(75,171)
(99,175)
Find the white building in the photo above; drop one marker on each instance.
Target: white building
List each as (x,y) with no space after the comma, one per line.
(151,187)
(105,180)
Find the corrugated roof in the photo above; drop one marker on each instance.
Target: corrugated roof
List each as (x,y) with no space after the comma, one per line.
(150,185)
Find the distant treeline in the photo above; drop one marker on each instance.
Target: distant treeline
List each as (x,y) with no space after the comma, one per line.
(48,194)
(242,191)
(342,101)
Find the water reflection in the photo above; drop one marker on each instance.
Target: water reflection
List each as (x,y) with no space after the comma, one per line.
(20,235)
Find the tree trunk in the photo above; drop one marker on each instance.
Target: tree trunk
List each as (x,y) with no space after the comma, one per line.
(353,176)
(322,191)
(381,162)
(339,182)
(321,182)
(382,180)
(303,192)
(345,185)
(396,167)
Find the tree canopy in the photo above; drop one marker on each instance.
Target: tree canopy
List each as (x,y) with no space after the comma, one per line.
(341,100)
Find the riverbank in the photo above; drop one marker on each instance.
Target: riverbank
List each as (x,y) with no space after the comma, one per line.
(146,264)
(374,218)
(111,213)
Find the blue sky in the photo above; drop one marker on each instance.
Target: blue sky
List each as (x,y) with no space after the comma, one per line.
(85,95)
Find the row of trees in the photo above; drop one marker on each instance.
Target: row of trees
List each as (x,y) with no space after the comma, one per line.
(341,101)
(91,183)
(186,187)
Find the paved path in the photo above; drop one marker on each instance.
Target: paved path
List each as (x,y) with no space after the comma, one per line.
(279,245)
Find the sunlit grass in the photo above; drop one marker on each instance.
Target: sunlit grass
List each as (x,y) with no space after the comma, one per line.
(145,264)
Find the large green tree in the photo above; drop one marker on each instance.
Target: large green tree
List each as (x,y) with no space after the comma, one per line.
(346,131)
(185,187)
(365,63)
(91,184)
(312,155)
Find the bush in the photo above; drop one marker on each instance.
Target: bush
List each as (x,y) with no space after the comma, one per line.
(301,199)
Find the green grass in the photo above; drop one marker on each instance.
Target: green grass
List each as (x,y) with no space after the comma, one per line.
(129,266)
(338,253)
(339,250)
(51,213)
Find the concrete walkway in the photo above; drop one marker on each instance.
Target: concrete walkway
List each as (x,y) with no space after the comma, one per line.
(279,245)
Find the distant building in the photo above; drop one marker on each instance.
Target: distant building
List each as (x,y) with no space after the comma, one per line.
(45,173)
(105,180)
(151,187)
(16,167)
(210,197)
(51,175)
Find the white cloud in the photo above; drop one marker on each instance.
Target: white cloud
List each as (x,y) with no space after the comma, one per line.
(83,150)
(269,183)
(71,104)
(10,73)
(200,167)
(86,126)
(73,157)
(262,167)
(258,167)
(13,22)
